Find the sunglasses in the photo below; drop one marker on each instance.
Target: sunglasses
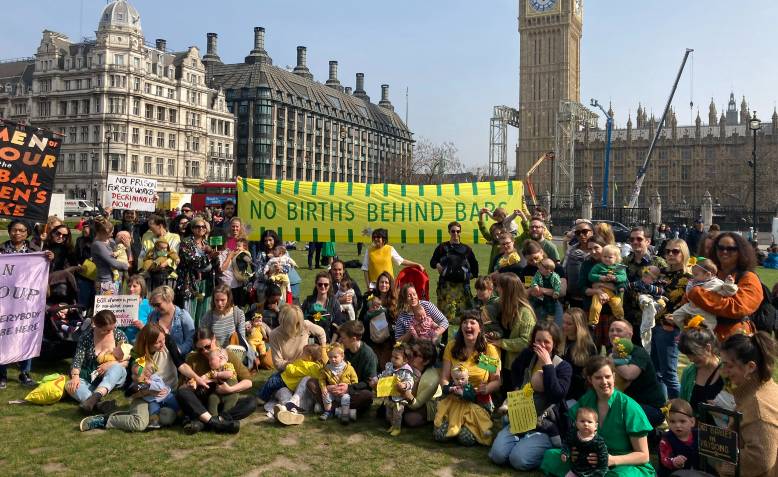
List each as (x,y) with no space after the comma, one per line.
(203,348)
(636,239)
(57,233)
(323,285)
(201,226)
(672,251)
(728,249)
(582,232)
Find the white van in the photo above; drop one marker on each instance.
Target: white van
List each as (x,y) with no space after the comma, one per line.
(78,207)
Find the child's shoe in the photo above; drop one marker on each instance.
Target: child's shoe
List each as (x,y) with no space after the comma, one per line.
(390,430)
(326,415)
(394,432)
(153,422)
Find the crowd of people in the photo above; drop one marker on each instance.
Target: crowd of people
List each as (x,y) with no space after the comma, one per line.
(594,336)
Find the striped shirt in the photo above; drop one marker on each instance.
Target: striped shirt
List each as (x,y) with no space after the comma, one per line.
(405,318)
(223,326)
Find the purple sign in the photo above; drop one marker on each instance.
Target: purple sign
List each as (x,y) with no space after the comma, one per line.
(23,281)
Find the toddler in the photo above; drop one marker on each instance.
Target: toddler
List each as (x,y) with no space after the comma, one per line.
(336,371)
(678,447)
(460,384)
(160,263)
(308,365)
(704,275)
(122,252)
(399,368)
(585,440)
(256,337)
(221,371)
(650,291)
(508,222)
(146,378)
(345,289)
(242,264)
(546,278)
(484,299)
(282,257)
(609,277)
(379,325)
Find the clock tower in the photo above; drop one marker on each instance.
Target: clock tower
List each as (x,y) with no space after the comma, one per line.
(549,72)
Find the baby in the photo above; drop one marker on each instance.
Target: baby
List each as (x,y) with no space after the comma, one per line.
(678,447)
(122,251)
(345,289)
(256,337)
(704,275)
(280,278)
(376,316)
(242,264)
(399,368)
(145,378)
(337,371)
(118,354)
(280,256)
(584,440)
(546,278)
(460,384)
(222,371)
(609,277)
(650,299)
(422,325)
(160,263)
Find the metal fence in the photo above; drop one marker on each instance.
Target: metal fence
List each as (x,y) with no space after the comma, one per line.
(628,216)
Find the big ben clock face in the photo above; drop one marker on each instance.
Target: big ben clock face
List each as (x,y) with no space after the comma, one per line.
(542,6)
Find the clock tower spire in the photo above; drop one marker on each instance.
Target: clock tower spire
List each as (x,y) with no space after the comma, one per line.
(549,72)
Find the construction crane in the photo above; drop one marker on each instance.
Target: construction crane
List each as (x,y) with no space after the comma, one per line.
(502,117)
(633,199)
(548,155)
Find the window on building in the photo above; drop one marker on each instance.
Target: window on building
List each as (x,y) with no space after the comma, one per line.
(135,135)
(160,113)
(171,167)
(171,115)
(44,109)
(71,163)
(84,133)
(195,168)
(196,144)
(147,165)
(147,88)
(187,168)
(160,166)
(63,108)
(136,84)
(159,90)
(171,141)
(171,93)
(149,111)
(148,139)
(118,59)
(96,134)
(136,107)
(83,162)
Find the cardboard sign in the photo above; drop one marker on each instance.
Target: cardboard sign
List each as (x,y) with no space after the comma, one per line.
(131,193)
(387,386)
(125,307)
(522,415)
(718,443)
(28,162)
(215,240)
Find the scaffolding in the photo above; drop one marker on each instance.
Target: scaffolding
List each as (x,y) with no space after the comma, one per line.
(570,118)
(502,117)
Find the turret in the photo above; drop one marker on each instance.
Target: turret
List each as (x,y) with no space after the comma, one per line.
(723,126)
(629,127)
(713,117)
(745,116)
(639,116)
(698,126)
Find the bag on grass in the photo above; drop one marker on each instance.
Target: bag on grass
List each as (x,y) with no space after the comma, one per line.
(49,391)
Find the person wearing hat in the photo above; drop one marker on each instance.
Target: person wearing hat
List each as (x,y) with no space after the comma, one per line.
(693,236)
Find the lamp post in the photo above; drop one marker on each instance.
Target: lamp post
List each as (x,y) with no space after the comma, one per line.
(107,159)
(754,125)
(606,169)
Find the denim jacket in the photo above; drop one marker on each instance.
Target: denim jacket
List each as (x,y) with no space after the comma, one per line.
(182,331)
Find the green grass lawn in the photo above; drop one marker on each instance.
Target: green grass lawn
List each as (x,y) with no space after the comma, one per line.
(46,440)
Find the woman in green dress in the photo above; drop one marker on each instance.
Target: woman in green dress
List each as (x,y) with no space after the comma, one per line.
(622,423)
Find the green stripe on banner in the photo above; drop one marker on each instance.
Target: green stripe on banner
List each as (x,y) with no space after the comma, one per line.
(456,188)
(350,188)
(402,236)
(261,231)
(492,187)
(440,189)
(475,188)
(297,234)
(262,186)
(350,236)
(421,235)
(280,233)
(315,234)
(386,189)
(278,186)
(367,190)
(402,190)
(245,185)
(475,235)
(440,236)
(296,189)
(332,235)
(313,188)
(510,187)
(421,190)
(332,188)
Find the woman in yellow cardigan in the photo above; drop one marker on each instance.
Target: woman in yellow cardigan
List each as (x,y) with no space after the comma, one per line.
(380,257)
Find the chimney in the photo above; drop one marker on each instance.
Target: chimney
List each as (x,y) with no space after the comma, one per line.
(161,44)
(302,69)
(385,103)
(211,54)
(333,82)
(258,54)
(359,91)
(348,89)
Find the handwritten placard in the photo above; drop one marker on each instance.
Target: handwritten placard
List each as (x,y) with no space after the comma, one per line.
(521,410)
(131,193)
(387,386)
(124,307)
(718,443)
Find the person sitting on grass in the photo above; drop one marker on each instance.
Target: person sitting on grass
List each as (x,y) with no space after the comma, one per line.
(337,371)
(298,372)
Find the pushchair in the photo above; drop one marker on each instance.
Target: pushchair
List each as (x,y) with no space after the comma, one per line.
(65,320)
(418,278)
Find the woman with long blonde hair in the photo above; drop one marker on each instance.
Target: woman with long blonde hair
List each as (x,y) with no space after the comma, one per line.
(516,318)
(577,348)
(288,340)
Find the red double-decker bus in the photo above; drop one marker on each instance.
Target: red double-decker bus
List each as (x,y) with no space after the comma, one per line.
(214,194)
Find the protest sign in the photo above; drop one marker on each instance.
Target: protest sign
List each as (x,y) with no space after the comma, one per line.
(23,282)
(522,415)
(28,161)
(131,193)
(125,307)
(348,211)
(718,443)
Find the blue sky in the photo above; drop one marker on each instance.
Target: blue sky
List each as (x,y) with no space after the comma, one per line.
(458,58)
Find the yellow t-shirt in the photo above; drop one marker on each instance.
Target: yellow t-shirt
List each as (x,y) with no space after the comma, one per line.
(478,375)
(379,260)
(297,370)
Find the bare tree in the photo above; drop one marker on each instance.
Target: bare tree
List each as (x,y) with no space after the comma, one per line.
(432,162)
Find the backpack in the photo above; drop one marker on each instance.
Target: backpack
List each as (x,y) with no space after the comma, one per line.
(242,269)
(572,266)
(456,268)
(379,328)
(765,318)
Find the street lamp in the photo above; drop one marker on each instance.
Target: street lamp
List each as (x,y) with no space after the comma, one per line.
(606,170)
(107,158)
(754,125)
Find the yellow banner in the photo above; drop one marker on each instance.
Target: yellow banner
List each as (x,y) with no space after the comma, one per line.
(348,212)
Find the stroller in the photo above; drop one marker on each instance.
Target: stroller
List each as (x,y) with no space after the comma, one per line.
(65,320)
(416,276)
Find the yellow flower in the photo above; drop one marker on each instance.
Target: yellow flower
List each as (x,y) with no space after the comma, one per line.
(695,322)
